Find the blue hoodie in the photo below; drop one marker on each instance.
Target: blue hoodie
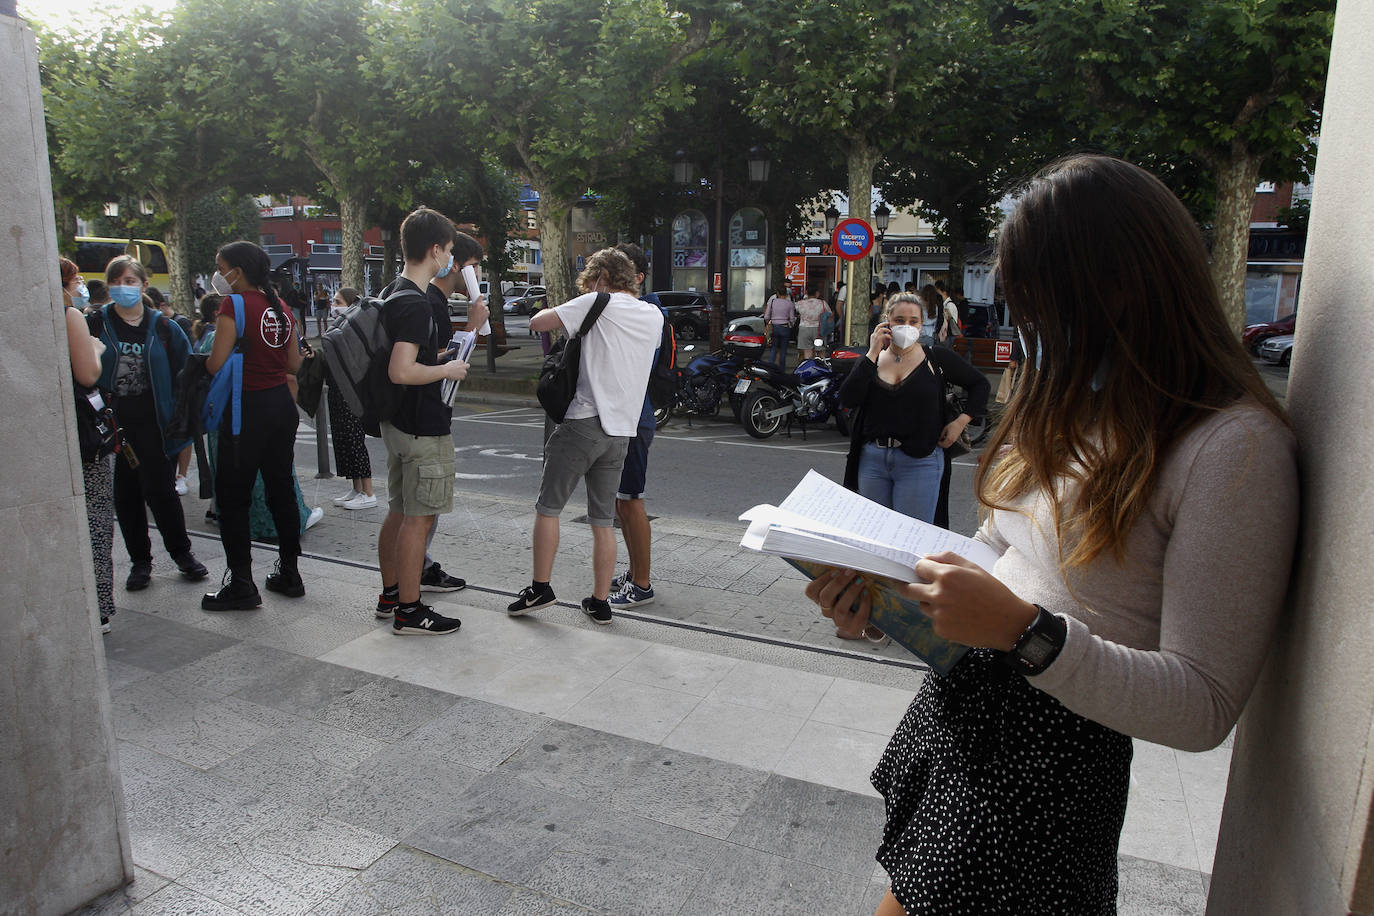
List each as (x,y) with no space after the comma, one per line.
(164,363)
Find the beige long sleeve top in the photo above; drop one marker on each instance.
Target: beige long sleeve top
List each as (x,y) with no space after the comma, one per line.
(1166,645)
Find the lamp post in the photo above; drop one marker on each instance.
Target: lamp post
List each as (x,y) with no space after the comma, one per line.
(683,171)
(882,218)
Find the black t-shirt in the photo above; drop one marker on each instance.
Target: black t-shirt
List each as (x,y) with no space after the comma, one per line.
(410,319)
(133,389)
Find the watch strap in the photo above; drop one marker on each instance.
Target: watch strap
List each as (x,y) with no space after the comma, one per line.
(1039,645)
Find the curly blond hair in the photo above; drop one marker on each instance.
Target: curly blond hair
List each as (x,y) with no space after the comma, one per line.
(612,266)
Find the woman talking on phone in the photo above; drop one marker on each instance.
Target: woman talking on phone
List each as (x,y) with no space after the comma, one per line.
(266,442)
(899,431)
(1139,581)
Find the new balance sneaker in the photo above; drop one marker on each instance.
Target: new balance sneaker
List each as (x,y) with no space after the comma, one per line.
(386,607)
(531,599)
(598,610)
(139,576)
(181,485)
(234,595)
(190,567)
(285,582)
(434,579)
(631,595)
(423,622)
(361,501)
(340,500)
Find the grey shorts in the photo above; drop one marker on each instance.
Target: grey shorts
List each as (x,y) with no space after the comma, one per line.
(581,450)
(419,472)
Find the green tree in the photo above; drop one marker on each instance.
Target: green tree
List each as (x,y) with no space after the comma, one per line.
(130,124)
(843,75)
(307,75)
(1233,85)
(563,92)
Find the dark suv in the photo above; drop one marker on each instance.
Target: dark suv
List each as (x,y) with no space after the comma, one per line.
(688,312)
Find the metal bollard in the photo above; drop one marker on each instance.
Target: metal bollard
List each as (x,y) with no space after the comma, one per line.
(322,436)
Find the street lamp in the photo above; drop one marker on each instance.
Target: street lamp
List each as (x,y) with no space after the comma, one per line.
(758,164)
(881,217)
(682,168)
(832,218)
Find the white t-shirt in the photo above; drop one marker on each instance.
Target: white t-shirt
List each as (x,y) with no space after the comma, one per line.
(617,354)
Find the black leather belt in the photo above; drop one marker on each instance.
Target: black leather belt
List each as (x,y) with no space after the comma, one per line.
(887,443)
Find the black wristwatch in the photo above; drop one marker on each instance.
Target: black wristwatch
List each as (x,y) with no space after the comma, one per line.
(1039,645)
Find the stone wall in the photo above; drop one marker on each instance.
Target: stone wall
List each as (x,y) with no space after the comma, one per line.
(62,838)
(1295,828)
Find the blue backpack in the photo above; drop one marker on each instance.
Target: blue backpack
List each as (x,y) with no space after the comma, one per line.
(226,388)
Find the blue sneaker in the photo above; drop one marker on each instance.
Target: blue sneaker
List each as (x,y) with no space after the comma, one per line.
(631,595)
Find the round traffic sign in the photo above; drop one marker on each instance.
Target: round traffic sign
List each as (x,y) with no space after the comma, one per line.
(852,239)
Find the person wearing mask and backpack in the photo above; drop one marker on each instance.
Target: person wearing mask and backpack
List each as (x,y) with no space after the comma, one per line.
(144,355)
(266,441)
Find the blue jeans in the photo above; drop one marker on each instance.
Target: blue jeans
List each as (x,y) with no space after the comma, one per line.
(891,477)
(782,336)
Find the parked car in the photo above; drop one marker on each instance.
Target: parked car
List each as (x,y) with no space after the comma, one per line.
(688,312)
(530,300)
(1278,350)
(749,324)
(1256,334)
(511,299)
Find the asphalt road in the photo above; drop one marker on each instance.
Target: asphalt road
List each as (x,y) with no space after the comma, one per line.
(709,470)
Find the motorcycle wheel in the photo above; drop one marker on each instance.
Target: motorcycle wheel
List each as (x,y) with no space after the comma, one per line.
(685,332)
(753,414)
(661,416)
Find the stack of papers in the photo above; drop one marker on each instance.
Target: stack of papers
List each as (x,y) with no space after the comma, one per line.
(462,345)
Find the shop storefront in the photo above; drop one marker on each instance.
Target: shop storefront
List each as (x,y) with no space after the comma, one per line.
(1273,274)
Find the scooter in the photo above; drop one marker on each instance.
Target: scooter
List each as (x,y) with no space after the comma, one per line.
(809,394)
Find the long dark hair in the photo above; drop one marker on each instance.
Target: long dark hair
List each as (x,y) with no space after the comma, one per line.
(935,306)
(256,267)
(1107,281)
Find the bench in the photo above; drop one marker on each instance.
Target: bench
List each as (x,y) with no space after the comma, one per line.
(981,352)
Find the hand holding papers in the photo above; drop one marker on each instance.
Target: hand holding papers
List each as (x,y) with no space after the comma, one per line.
(474,292)
(460,347)
(822,525)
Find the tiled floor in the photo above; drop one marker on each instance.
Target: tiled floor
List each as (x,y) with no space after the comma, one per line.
(300,759)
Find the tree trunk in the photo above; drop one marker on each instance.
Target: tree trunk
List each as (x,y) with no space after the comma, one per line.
(181,294)
(353,216)
(862,160)
(1236,180)
(554,225)
(391,253)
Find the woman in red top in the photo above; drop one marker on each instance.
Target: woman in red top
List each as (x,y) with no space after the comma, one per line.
(267,437)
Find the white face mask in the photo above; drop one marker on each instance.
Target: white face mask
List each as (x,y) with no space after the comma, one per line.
(221,285)
(904,335)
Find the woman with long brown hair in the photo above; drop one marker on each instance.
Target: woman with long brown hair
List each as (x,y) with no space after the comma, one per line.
(1139,581)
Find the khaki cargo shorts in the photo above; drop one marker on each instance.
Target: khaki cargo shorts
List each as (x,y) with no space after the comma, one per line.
(419,472)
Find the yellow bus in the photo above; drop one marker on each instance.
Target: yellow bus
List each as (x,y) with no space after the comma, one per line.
(93,254)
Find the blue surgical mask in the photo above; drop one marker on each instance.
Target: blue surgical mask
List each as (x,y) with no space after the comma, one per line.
(82,297)
(126,297)
(447,268)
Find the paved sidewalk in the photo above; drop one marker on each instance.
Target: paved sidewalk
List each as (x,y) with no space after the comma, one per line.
(301,759)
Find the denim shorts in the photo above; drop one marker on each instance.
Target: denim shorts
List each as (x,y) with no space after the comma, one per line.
(581,450)
(419,473)
(636,472)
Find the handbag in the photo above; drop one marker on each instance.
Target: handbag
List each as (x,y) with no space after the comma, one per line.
(557,384)
(952,403)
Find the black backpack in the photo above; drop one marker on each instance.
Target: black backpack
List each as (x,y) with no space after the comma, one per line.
(558,378)
(663,376)
(357,350)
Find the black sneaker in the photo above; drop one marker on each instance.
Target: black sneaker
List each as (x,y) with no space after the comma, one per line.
(423,622)
(190,567)
(139,577)
(285,583)
(531,600)
(386,607)
(235,595)
(435,579)
(597,610)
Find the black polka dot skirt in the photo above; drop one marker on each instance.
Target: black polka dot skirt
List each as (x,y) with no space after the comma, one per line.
(1000,800)
(346,431)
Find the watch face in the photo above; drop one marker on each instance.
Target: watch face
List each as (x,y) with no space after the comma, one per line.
(1037,649)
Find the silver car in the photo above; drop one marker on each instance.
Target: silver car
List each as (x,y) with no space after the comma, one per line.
(1278,350)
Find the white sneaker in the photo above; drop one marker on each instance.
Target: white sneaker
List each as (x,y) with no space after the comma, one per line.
(361,501)
(340,500)
(182,487)
(315,515)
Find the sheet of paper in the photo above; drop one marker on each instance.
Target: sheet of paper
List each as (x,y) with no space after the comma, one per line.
(462,344)
(470,278)
(823,501)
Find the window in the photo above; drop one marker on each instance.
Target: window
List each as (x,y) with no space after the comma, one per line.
(331,237)
(267,238)
(690,235)
(1265,187)
(748,236)
(531,221)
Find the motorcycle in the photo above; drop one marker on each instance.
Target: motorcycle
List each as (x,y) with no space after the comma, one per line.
(710,377)
(771,395)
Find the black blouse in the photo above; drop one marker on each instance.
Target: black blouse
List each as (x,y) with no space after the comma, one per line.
(911,410)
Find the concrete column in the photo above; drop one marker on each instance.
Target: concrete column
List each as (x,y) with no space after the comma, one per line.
(63,838)
(1296,828)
